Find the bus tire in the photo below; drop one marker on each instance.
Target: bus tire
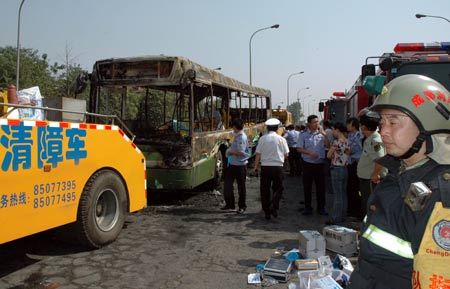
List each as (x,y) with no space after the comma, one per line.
(102,209)
(219,169)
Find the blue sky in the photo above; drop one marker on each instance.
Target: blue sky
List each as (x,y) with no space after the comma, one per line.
(328,40)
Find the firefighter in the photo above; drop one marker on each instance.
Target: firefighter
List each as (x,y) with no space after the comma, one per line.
(405,240)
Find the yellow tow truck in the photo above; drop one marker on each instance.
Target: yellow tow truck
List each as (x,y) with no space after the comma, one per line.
(85,175)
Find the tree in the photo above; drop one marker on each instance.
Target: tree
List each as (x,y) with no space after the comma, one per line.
(34,70)
(54,80)
(297,112)
(7,67)
(67,79)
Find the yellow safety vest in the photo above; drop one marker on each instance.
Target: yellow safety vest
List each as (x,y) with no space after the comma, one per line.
(432,262)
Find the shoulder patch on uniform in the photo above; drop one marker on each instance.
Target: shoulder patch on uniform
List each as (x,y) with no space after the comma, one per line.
(441,234)
(377,147)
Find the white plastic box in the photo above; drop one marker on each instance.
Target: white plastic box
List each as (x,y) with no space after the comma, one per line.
(309,276)
(311,244)
(341,240)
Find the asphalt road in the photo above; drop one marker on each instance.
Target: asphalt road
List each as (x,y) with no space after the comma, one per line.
(184,242)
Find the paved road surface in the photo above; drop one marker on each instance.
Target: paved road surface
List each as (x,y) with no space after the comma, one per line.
(187,244)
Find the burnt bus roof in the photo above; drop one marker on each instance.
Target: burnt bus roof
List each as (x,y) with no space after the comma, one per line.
(163,71)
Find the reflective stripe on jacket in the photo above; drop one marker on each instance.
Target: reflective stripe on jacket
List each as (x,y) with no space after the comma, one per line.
(388,241)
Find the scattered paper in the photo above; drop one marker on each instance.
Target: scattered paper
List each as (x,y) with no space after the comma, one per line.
(254,278)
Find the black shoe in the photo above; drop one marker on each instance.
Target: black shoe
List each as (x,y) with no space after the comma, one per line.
(330,222)
(267,216)
(240,211)
(227,208)
(307,212)
(322,212)
(274,213)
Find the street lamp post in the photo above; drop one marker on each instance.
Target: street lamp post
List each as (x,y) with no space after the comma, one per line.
(311,111)
(18,47)
(418,16)
(250,46)
(301,89)
(287,102)
(303,106)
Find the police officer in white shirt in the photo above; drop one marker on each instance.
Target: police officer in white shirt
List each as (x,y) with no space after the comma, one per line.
(272,150)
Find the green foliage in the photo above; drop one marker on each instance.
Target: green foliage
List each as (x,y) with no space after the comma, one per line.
(33,70)
(297,111)
(141,104)
(66,81)
(53,80)
(7,67)
(153,112)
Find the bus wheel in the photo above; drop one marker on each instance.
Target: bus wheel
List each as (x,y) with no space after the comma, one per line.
(102,209)
(218,172)
(219,169)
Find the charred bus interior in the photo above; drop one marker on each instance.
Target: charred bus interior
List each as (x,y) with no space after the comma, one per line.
(180,112)
(161,118)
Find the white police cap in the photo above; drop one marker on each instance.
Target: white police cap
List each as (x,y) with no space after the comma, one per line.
(272,122)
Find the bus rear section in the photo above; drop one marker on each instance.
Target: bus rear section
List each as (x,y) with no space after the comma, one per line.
(57,173)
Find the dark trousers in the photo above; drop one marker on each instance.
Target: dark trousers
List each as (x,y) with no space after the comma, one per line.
(294,159)
(238,173)
(327,174)
(314,172)
(299,161)
(366,187)
(271,177)
(354,208)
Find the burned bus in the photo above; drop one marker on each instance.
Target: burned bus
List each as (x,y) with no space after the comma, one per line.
(180,113)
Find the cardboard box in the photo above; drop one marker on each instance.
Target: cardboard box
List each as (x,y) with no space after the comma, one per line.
(341,240)
(311,244)
(307,264)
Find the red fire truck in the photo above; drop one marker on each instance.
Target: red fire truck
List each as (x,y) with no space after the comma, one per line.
(335,109)
(429,59)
